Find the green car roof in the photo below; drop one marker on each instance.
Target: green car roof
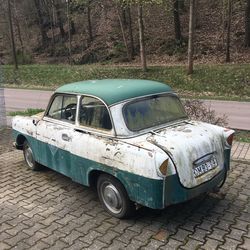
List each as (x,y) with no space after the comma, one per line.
(115,90)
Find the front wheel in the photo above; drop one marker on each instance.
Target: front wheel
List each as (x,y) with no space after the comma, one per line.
(113,197)
(29,157)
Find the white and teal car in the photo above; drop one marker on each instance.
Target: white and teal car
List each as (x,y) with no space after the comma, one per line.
(131,139)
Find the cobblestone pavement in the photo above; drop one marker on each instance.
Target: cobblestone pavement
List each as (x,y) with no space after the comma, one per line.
(241,151)
(45,210)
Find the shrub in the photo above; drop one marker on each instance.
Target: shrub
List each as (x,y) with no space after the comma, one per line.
(197,110)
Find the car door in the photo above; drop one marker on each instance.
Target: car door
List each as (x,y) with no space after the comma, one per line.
(55,131)
(89,141)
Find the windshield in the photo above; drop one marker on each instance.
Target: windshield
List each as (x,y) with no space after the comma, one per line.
(153,111)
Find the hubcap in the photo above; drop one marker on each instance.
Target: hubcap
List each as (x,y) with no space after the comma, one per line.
(29,157)
(111,197)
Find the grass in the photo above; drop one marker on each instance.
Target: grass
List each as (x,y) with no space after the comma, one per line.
(28,112)
(228,82)
(242,136)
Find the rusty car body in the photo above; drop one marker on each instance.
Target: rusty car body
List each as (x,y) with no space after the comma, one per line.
(131,139)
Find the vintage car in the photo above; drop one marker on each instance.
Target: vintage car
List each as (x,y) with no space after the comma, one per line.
(131,139)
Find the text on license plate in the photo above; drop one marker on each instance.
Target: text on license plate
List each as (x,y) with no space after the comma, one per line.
(205,167)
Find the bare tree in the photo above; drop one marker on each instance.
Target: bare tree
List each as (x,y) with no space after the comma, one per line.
(40,22)
(59,17)
(177,23)
(17,24)
(130,32)
(191,38)
(69,29)
(13,46)
(141,38)
(247,24)
(123,29)
(228,40)
(90,32)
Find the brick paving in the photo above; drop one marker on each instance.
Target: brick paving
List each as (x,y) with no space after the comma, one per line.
(241,150)
(45,210)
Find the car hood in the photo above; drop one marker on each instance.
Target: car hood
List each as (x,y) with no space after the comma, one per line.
(189,143)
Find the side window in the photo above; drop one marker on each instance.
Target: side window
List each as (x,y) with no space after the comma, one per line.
(63,108)
(93,113)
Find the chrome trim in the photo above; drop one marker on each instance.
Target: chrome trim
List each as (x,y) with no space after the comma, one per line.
(76,124)
(113,130)
(113,134)
(59,122)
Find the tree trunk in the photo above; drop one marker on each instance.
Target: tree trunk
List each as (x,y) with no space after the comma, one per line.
(40,21)
(196,15)
(59,19)
(141,38)
(124,17)
(18,28)
(247,25)
(191,38)
(69,31)
(229,19)
(177,23)
(12,36)
(52,24)
(130,32)
(72,27)
(90,33)
(123,32)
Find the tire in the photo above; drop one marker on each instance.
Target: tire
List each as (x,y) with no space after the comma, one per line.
(113,197)
(29,157)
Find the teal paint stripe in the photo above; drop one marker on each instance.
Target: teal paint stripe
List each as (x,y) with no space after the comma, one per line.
(227,153)
(176,193)
(144,191)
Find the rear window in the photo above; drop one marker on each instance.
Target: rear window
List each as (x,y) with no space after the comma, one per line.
(153,111)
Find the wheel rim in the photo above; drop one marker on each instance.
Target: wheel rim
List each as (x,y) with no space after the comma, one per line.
(111,197)
(29,156)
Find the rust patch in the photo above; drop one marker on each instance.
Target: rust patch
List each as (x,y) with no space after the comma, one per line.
(187,131)
(150,154)
(29,132)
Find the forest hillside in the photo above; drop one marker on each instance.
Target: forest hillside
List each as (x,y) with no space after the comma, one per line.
(107,31)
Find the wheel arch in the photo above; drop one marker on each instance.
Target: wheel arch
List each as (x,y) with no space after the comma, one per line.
(142,190)
(95,173)
(20,139)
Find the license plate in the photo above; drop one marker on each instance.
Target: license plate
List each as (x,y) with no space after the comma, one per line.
(205,167)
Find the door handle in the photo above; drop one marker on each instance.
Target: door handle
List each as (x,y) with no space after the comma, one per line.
(65,137)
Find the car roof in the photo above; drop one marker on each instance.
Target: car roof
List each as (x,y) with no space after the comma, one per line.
(112,91)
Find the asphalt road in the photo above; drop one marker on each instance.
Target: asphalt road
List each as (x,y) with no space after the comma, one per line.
(238,113)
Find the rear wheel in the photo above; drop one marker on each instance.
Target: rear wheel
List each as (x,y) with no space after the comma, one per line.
(113,197)
(29,157)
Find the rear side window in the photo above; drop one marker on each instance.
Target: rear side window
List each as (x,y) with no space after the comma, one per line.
(63,108)
(93,113)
